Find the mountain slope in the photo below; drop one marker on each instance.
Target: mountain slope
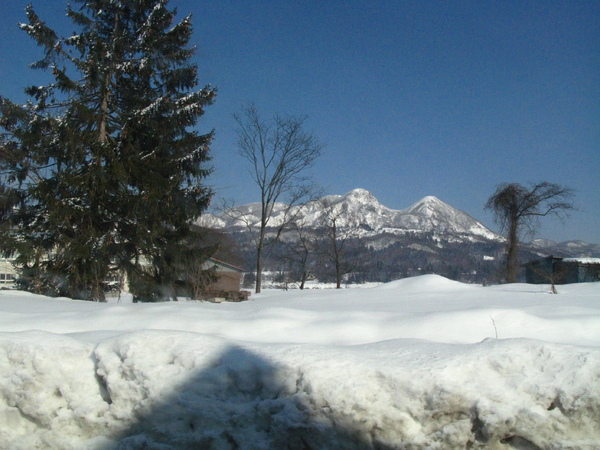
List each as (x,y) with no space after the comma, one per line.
(360,209)
(432,214)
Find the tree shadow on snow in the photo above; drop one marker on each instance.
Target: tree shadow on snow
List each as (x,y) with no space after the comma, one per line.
(242,401)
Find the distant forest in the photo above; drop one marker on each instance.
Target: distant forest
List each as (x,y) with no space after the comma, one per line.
(404,256)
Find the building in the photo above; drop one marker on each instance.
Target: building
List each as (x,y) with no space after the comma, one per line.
(557,270)
(229,277)
(227,285)
(8,273)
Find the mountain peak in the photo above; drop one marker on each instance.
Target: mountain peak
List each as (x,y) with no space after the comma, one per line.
(360,209)
(427,205)
(361,195)
(430,199)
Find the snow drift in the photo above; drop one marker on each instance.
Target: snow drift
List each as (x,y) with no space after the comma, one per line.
(364,368)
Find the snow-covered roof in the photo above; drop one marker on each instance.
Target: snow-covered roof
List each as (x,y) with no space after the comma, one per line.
(225,265)
(583,260)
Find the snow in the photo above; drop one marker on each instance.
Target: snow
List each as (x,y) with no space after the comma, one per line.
(358,208)
(423,362)
(583,260)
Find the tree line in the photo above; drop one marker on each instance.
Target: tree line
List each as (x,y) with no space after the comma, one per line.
(339,249)
(330,251)
(377,258)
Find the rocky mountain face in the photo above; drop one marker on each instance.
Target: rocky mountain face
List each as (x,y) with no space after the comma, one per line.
(360,209)
(427,237)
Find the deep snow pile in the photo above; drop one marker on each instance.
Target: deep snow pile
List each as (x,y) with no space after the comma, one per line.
(410,364)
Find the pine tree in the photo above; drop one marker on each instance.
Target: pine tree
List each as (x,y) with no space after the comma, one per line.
(101,168)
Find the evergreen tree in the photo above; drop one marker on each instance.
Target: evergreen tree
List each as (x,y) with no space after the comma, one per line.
(101,170)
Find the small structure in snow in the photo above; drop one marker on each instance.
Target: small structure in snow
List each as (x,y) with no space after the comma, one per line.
(557,270)
(227,286)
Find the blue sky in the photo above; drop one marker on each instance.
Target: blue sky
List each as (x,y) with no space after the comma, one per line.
(410,98)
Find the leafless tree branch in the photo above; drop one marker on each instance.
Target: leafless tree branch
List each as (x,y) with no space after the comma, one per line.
(279,153)
(516,207)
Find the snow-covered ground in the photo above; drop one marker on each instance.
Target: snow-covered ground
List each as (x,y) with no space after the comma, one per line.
(423,362)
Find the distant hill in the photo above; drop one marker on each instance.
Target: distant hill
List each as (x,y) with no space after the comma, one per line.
(429,236)
(576,248)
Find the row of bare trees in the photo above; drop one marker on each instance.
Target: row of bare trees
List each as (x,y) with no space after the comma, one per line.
(331,244)
(280,151)
(306,247)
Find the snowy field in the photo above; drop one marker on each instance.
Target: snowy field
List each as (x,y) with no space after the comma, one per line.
(418,363)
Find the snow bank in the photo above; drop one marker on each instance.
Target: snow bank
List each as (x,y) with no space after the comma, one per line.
(423,283)
(141,384)
(185,390)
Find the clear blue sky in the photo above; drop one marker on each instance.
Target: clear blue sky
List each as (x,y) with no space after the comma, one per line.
(411,98)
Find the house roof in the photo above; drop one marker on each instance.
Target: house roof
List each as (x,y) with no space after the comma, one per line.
(581,260)
(229,266)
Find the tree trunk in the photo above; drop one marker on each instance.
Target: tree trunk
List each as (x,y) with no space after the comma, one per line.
(258,284)
(511,254)
(104,113)
(98,292)
(259,254)
(102,127)
(303,279)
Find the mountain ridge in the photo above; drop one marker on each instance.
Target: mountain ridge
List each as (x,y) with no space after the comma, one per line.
(359,208)
(429,236)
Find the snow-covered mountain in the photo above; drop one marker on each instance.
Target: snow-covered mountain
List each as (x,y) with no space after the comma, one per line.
(360,209)
(567,248)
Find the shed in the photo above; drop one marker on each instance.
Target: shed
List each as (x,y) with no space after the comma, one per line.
(227,285)
(229,276)
(557,270)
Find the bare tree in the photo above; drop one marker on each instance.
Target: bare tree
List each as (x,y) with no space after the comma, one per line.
(555,275)
(340,247)
(279,152)
(301,249)
(517,209)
